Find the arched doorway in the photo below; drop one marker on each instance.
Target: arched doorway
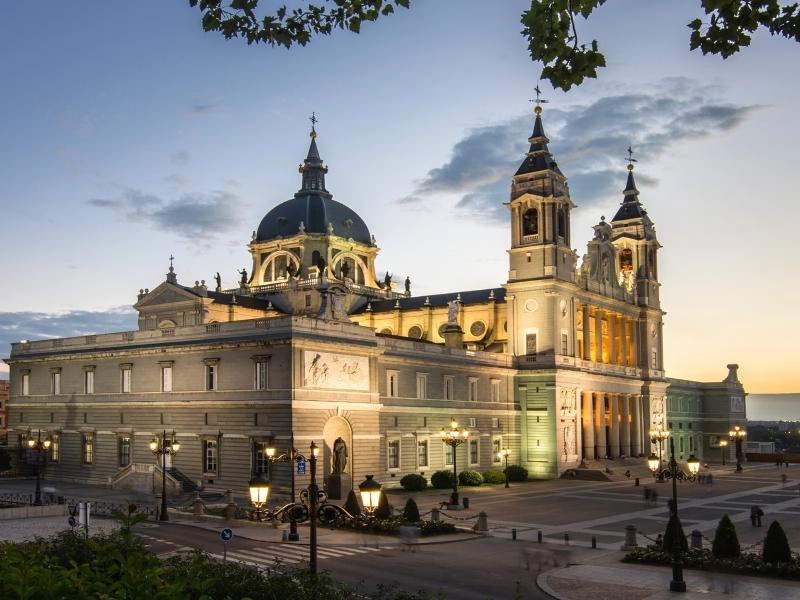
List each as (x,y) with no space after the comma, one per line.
(337,427)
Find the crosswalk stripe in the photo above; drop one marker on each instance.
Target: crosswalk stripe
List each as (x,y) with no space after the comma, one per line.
(271,556)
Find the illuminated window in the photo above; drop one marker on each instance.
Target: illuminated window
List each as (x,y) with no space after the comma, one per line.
(124,451)
(210,456)
(55,447)
(88,448)
(497,445)
(422,453)
(88,380)
(25,384)
(530,222)
(125,379)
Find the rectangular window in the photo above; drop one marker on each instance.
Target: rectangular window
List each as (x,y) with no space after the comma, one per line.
(393,454)
(495,422)
(25,384)
(88,382)
(166,378)
(392,384)
(473,389)
(497,446)
(210,456)
(680,442)
(55,447)
(530,344)
(124,451)
(422,453)
(422,386)
(211,377)
(473,452)
(260,460)
(691,444)
(261,374)
(473,422)
(55,382)
(88,448)
(125,380)
(449,387)
(448,455)
(564,344)
(495,390)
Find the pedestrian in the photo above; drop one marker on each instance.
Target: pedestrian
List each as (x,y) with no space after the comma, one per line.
(710,480)
(659,540)
(753,513)
(783,479)
(759,514)
(646,495)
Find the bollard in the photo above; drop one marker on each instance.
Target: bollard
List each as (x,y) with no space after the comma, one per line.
(230,509)
(197,505)
(465,502)
(636,482)
(483,522)
(539,537)
(594,542)
(630,537)
(514,534)
(285,536)
(566,539)
(697,539)
(435,515)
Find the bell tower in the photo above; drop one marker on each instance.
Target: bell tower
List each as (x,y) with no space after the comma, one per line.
(540,215)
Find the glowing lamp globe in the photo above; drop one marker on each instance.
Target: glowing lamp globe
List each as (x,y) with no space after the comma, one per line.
(653,462)
(370,491)
(694,465)
(259,490)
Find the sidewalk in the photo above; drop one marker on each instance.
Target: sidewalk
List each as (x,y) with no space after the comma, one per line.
(599,575)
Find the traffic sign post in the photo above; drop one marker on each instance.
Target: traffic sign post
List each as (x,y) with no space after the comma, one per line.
(301,466)
(226,535)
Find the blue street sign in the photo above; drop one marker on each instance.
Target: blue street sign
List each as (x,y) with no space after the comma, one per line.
(301,466)
(226,534)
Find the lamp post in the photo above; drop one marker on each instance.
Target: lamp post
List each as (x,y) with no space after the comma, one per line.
(163,447)
(290,456)
(672,472)
(737,434)
(723,444)
(370,491)
(41,446)
(503,454)
(658,436)
(312,497)
(454,437)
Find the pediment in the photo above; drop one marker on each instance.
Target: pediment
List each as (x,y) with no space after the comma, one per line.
(166,293)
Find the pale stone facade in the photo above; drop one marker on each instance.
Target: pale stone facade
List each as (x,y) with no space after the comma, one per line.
(563,362)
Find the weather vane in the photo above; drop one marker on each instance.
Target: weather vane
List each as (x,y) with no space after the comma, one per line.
(171,258)
(630,159)
(539,100)
(314,120)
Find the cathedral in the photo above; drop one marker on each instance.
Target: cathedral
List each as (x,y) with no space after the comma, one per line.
(560,365)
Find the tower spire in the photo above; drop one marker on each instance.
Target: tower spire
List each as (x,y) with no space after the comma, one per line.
(538,156)
(312,169)
(631,207)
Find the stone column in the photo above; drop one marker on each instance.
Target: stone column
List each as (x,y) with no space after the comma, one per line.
(598,335)
(612,342)
(625,432)
(587,334)
(636,429)
(614,429)
(587,422)
(623,339)
(600,425)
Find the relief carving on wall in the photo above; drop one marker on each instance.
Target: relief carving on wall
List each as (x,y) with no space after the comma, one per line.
(568,402)
(568,411)
(657,416)
(338,371)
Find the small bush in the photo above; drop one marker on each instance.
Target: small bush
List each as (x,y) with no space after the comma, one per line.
(726,543)
(470,478)
(436,527)
(674,535)
(414,482)
(516,473)
(351,505)
(411,511)
(442,480)
(383,510)
(776,546)
(494,477)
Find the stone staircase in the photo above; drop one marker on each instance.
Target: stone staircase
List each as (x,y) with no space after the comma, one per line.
(187,485)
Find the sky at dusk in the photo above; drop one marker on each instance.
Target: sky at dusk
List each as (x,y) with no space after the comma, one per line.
(129,134)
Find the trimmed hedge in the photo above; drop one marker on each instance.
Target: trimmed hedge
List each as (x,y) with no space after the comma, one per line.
(442,480)
(411,511)
(470,478)
(726,542)
(516,473)
(674,535)
(352,505)
(494,477)
(776,546)
(414,482)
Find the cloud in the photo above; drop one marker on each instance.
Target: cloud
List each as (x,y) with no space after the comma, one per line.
(588,142)
(16,326)
(203,108)
(196,217)
(180,158)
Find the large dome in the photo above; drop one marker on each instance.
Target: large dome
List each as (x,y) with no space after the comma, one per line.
(315,211)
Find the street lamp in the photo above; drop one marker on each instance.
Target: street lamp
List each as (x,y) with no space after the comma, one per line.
(658,436)
(503,454)
(291,456)
(723,444)
(370,491)
(737,434)
(313,493)
(41,446)
(454,437)
(163,447)
(672,472)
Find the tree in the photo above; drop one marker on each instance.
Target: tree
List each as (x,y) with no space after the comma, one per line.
(674,535)
(549,26)
(411,511)
(383,510)
(726,543)
(776,546)
(351,504)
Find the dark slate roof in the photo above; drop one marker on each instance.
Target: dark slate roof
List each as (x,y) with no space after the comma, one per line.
(539,157)
(315,210)
(436,300)
(631,208)
(245,301)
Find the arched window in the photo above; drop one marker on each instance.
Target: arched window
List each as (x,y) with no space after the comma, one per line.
(315,258)
(651,264)
(530,222)
(561,223)
(626,260)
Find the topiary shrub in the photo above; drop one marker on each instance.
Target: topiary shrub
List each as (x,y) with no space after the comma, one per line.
(516,473)
(470,478)
(726,543)
(494,477)
(674,535)
(776,546)
(414,482)
(442,480)
(411,511)
(383,510)
(351,505)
